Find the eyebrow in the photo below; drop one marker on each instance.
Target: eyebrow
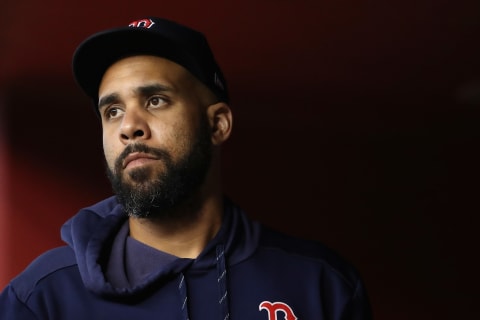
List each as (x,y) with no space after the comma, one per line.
(106,100)
(144,91)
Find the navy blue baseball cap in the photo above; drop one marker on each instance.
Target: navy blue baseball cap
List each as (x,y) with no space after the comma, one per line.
(153,36)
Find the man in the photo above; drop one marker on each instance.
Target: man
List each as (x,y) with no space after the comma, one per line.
(170,244)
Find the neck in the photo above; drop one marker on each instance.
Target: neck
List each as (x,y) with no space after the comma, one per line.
(186,236)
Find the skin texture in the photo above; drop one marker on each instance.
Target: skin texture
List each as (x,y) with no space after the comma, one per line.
(157,103)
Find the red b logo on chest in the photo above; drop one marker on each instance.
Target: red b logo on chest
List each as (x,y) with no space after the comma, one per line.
(274,308)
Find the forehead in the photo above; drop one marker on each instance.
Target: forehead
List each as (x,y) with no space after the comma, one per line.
(143,68)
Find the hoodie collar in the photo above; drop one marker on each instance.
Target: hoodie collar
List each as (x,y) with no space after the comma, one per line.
(91,231)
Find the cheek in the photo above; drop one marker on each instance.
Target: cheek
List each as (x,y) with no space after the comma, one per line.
(108,152)
(166,136)
(179,140)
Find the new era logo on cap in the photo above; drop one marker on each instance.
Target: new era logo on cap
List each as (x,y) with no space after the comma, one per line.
(217,81)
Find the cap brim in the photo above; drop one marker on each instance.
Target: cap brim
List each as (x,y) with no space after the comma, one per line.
(93,57)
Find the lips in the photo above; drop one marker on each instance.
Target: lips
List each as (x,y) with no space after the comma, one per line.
(137,157)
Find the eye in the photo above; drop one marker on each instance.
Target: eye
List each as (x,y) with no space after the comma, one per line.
(113,112)
(156,102)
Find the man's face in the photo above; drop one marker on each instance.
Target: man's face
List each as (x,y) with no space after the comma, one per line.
(156,136)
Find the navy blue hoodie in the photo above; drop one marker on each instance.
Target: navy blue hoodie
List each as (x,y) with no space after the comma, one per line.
(246,272)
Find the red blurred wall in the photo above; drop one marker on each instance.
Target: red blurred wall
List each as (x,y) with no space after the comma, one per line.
(4,202)
(355,124)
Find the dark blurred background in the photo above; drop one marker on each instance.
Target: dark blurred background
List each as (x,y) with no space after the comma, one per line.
(356,124)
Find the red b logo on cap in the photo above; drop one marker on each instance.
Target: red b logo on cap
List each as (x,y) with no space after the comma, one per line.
(144,23)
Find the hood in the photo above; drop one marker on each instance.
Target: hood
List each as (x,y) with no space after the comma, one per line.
(91,231)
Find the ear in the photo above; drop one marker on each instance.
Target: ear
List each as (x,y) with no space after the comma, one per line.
(220,119)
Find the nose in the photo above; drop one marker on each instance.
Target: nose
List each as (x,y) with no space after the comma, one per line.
(134,127)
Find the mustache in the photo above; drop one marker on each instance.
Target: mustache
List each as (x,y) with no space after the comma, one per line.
(143,148)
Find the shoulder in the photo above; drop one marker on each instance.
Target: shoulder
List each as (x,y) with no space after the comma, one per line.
(310,251)
(42,267)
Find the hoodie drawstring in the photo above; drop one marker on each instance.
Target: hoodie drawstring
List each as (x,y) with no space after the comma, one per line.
(222,282)
(182,287)
(222,287)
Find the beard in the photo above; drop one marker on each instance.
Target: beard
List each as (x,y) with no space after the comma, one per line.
(154,194)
